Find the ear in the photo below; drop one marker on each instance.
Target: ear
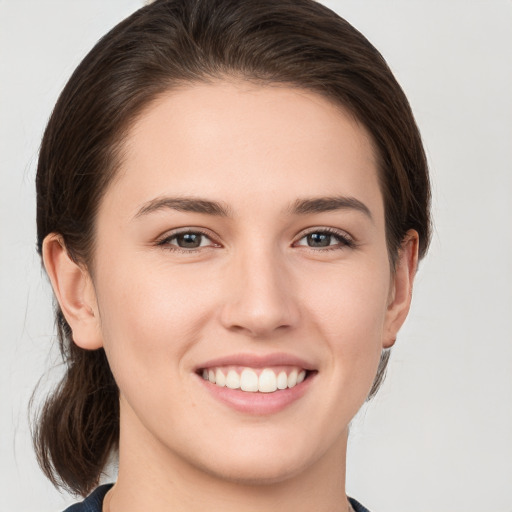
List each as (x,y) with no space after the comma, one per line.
(401,288)
(74,290)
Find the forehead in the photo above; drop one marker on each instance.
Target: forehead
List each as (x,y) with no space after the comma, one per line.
(233,139)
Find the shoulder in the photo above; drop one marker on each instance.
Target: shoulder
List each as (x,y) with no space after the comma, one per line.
(93,502)
(357,506)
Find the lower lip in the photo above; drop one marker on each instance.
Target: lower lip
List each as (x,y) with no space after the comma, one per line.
(258,403)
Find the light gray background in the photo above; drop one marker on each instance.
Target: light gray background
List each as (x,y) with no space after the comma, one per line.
(439,434)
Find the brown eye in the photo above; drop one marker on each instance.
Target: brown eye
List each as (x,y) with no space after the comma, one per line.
(189,240)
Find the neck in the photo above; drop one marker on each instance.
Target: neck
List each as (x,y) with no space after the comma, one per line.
(152,477)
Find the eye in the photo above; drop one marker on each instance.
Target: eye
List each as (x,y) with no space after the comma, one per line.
(325,238)
(187,241)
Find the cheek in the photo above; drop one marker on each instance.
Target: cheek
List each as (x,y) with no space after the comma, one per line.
(349,308)
(149,317)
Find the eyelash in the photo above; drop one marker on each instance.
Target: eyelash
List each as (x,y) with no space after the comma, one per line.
(344,240)
(166,242)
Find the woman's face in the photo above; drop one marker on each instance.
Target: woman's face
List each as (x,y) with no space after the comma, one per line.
(243,239)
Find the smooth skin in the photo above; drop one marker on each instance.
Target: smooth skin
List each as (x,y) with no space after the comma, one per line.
(257,283)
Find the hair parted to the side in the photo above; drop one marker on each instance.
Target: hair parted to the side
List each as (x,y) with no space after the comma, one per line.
(165,44)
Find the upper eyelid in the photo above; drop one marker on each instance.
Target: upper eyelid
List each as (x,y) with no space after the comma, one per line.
(323,229)
(169,235)
(192,229)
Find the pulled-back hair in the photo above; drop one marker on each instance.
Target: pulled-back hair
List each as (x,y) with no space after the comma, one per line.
(169,43)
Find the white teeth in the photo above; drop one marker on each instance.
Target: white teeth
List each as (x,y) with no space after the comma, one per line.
(282,380)
(292,378)
(233,380)
(249,380)
(220,378)
(267,381)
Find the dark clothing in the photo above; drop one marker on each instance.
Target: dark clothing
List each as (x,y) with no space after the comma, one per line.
(357,506)
(94,501)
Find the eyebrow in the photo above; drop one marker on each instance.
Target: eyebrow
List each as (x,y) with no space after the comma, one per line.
(305,206)
(328,204)
(184,204)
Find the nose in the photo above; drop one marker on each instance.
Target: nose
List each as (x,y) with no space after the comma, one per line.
(259,296)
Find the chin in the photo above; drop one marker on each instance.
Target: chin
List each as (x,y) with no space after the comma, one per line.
(260,462)
(256,472)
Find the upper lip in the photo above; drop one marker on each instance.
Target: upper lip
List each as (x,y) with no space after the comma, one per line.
(257,361)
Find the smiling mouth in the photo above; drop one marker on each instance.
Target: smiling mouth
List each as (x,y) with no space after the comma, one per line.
(255,380)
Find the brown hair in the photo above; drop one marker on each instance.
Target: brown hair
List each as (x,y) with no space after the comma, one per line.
(164,44)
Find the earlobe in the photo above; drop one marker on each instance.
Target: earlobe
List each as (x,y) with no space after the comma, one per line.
(402,284)
(74,291)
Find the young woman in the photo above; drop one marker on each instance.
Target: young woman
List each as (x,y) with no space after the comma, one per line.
(232,201)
